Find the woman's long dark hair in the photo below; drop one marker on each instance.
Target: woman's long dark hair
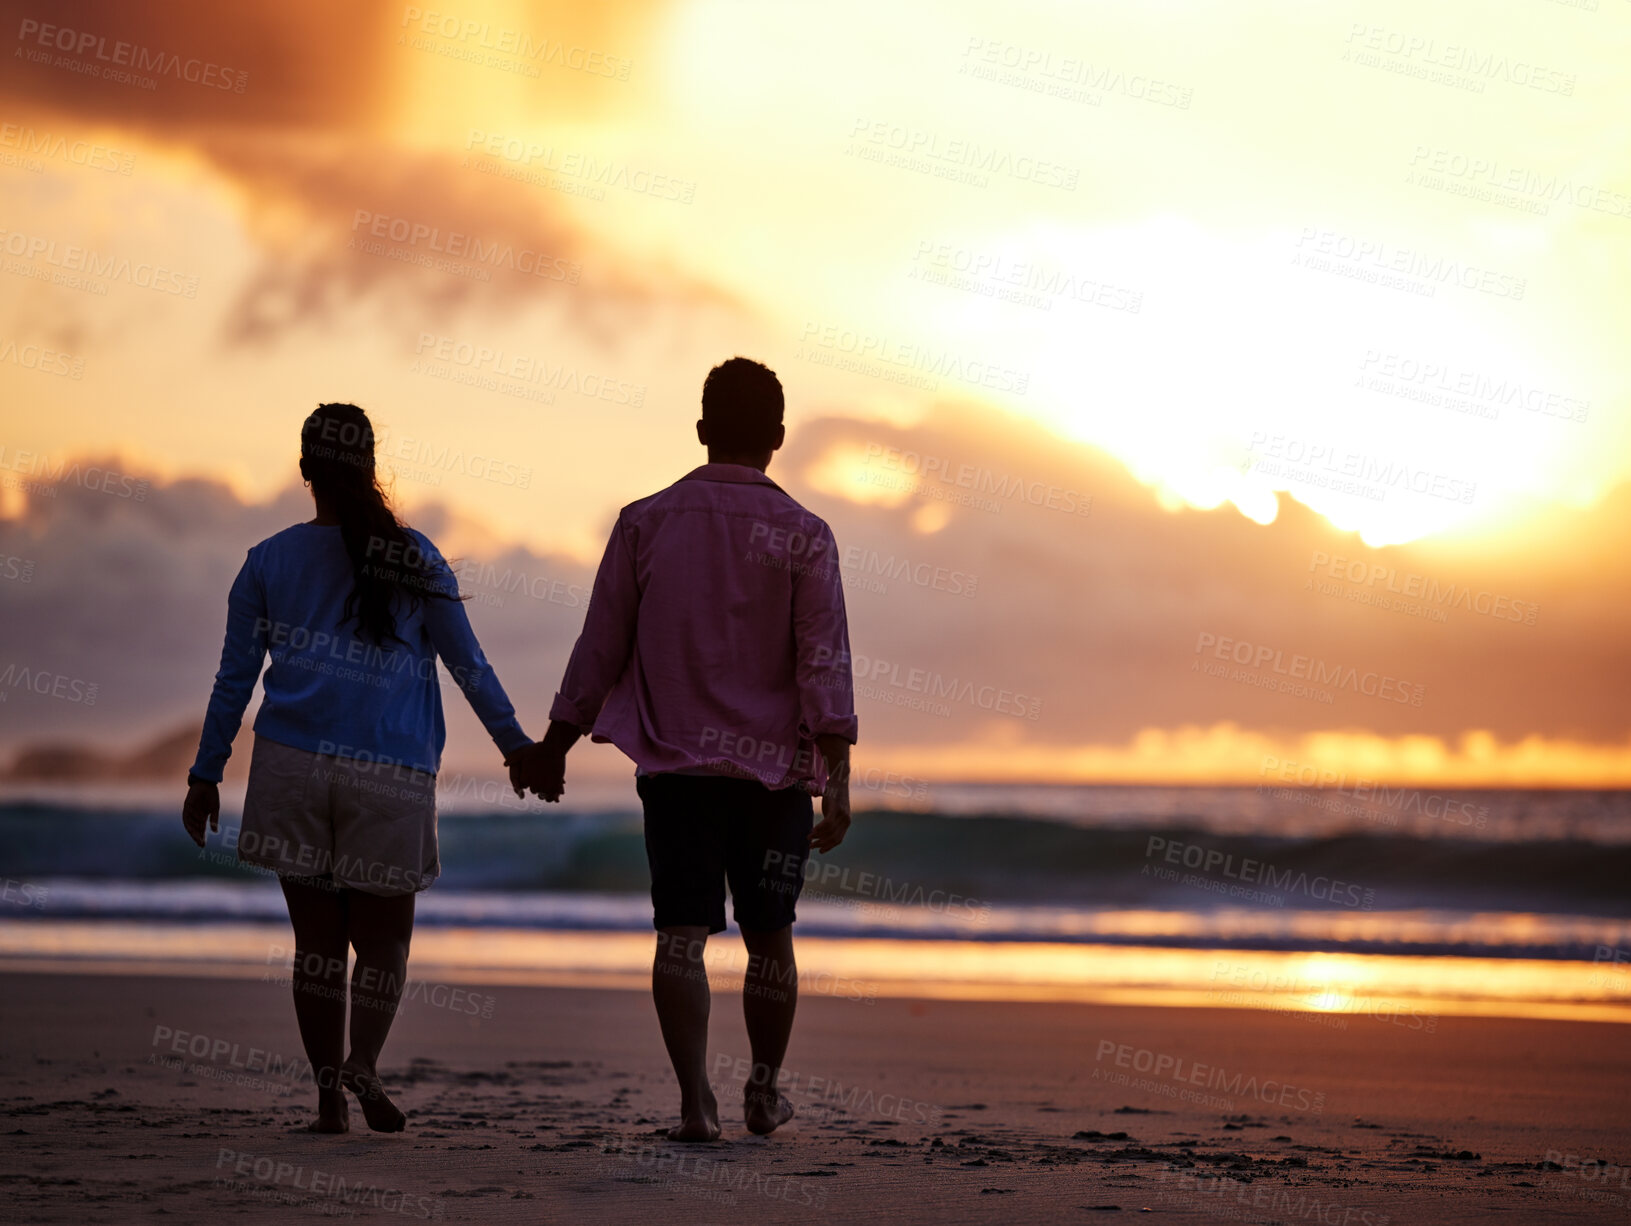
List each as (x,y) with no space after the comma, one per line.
(337,457)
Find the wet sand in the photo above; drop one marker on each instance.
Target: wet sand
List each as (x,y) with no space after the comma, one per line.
(132,1096)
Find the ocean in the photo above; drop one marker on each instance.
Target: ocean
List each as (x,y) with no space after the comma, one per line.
(1351,906)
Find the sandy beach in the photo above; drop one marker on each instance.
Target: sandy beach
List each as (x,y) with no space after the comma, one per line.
(131,1096)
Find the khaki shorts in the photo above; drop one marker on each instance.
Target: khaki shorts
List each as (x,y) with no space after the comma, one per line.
(368,825)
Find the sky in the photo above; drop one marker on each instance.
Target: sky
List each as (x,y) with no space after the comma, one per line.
(1199,393)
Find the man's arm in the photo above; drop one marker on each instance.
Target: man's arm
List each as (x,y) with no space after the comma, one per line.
(826,689)
(598,659)
(834,824)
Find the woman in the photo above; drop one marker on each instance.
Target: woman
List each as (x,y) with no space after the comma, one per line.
(353,607)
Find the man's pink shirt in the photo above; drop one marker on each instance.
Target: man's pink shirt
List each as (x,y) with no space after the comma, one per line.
(716,639)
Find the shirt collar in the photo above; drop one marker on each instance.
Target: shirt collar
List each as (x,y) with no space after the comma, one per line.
(739,474)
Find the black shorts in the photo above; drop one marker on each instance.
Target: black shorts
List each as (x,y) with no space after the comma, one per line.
(704,829)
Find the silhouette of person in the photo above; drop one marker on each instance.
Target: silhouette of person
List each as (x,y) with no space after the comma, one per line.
(715,654)
(353,607)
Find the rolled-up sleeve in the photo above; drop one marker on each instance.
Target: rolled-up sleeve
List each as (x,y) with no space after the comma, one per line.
(603,649)
(821,642)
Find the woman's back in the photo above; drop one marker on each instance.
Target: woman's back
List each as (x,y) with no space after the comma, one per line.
(331,689)
(326,681)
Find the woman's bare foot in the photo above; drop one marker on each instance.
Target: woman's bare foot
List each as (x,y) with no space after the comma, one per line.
(766,1110)
(699,1120)
(332,1113)
(380,1112)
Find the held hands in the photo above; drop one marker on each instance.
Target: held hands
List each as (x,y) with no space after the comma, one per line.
(202,807)
(538,768)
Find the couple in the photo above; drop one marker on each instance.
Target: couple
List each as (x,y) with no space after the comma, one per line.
(715,653)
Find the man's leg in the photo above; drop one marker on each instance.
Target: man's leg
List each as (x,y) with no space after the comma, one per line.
(770,997)
(770,842)
(381,930)
(318,913)
(679,986)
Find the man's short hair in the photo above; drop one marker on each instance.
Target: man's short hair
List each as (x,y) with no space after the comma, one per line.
(742,405)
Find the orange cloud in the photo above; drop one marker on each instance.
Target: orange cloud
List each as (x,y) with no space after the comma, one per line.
(1224,753)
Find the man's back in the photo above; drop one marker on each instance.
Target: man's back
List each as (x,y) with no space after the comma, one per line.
(716,637)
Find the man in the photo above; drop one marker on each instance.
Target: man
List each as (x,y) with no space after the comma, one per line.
(716,654)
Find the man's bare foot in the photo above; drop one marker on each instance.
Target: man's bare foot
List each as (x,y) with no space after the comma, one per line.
(699,1120)
(332,1113)
(766,1110)
(380,1112)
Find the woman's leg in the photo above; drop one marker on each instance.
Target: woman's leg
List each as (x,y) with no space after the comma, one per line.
(318,912)
(380,930)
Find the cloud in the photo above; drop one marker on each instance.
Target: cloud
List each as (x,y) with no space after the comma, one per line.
(343,205)
(1005,631)
(1114,618)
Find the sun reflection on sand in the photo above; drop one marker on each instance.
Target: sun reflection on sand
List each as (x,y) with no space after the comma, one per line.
(1408,991)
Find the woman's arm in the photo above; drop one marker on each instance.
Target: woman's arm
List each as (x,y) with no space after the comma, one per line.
(455,642)
(242,654)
